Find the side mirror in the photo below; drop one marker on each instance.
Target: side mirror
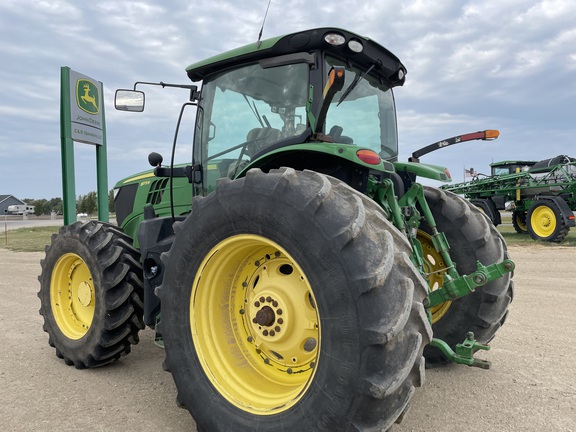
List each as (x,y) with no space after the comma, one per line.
(129,100)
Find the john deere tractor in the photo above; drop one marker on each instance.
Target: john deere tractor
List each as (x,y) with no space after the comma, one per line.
(298,275)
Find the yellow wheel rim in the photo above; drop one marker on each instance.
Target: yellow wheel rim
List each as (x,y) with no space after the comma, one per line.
(520,222)
(543,221)
(435,268)
(72,296)
(254,324)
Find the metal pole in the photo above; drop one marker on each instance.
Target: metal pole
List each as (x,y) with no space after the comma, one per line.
(102,169)
(67,150)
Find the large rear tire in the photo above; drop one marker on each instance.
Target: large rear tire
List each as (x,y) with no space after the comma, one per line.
(91,294)
(472,238)
(289,303)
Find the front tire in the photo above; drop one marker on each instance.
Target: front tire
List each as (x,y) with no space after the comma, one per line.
(472,238)
(91,294)
(289,303)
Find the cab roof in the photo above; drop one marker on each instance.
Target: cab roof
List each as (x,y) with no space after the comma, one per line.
(386,65)
(512,162)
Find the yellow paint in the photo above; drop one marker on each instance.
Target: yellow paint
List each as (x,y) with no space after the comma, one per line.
(140,177)
(263,367)
(72,296)
(435,269)
(543,221)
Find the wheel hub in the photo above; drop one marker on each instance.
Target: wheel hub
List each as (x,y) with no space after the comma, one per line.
(544,221)
(265,316)
(84,293)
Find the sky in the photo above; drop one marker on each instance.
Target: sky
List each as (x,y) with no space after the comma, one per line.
(472,65)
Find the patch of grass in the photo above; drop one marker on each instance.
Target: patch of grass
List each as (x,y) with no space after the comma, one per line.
(513,238)
(33,239)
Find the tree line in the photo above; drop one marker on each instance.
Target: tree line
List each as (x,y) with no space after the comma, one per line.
(84,204)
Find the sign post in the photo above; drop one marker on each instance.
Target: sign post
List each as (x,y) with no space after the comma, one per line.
(82,120)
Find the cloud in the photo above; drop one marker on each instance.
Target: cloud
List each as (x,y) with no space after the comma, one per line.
(471,65)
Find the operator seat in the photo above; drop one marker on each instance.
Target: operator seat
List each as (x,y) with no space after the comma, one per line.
(258,138)
(336,133)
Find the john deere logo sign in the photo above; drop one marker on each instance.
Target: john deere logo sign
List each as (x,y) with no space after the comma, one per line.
(87,96)
(86,109)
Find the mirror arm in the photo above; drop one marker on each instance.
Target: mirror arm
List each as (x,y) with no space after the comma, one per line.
(194,93)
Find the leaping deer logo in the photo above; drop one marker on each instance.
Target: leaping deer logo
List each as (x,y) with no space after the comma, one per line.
(89,100)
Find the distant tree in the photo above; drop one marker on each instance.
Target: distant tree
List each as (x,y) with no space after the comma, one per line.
(111,201)
(80,204)
(41,207)
(90,203)
(56,205)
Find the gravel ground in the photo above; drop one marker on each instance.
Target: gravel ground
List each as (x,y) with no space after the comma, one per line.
(531,386)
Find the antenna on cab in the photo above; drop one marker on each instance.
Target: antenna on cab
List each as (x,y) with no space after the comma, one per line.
(259,42)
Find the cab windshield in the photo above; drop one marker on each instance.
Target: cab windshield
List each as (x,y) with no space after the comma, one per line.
(365,117)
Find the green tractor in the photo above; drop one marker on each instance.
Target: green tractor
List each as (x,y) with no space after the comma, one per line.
(297,275)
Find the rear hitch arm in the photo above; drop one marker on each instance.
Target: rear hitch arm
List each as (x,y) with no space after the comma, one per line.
(461,286)
(464,353)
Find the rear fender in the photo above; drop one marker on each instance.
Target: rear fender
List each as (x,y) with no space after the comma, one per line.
(337,160)
(328,150)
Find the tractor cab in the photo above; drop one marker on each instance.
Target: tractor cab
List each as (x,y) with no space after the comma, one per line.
(259,102)
(510,167)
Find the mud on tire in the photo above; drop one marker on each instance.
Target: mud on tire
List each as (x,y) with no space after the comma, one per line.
(91,294)
(336,283)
